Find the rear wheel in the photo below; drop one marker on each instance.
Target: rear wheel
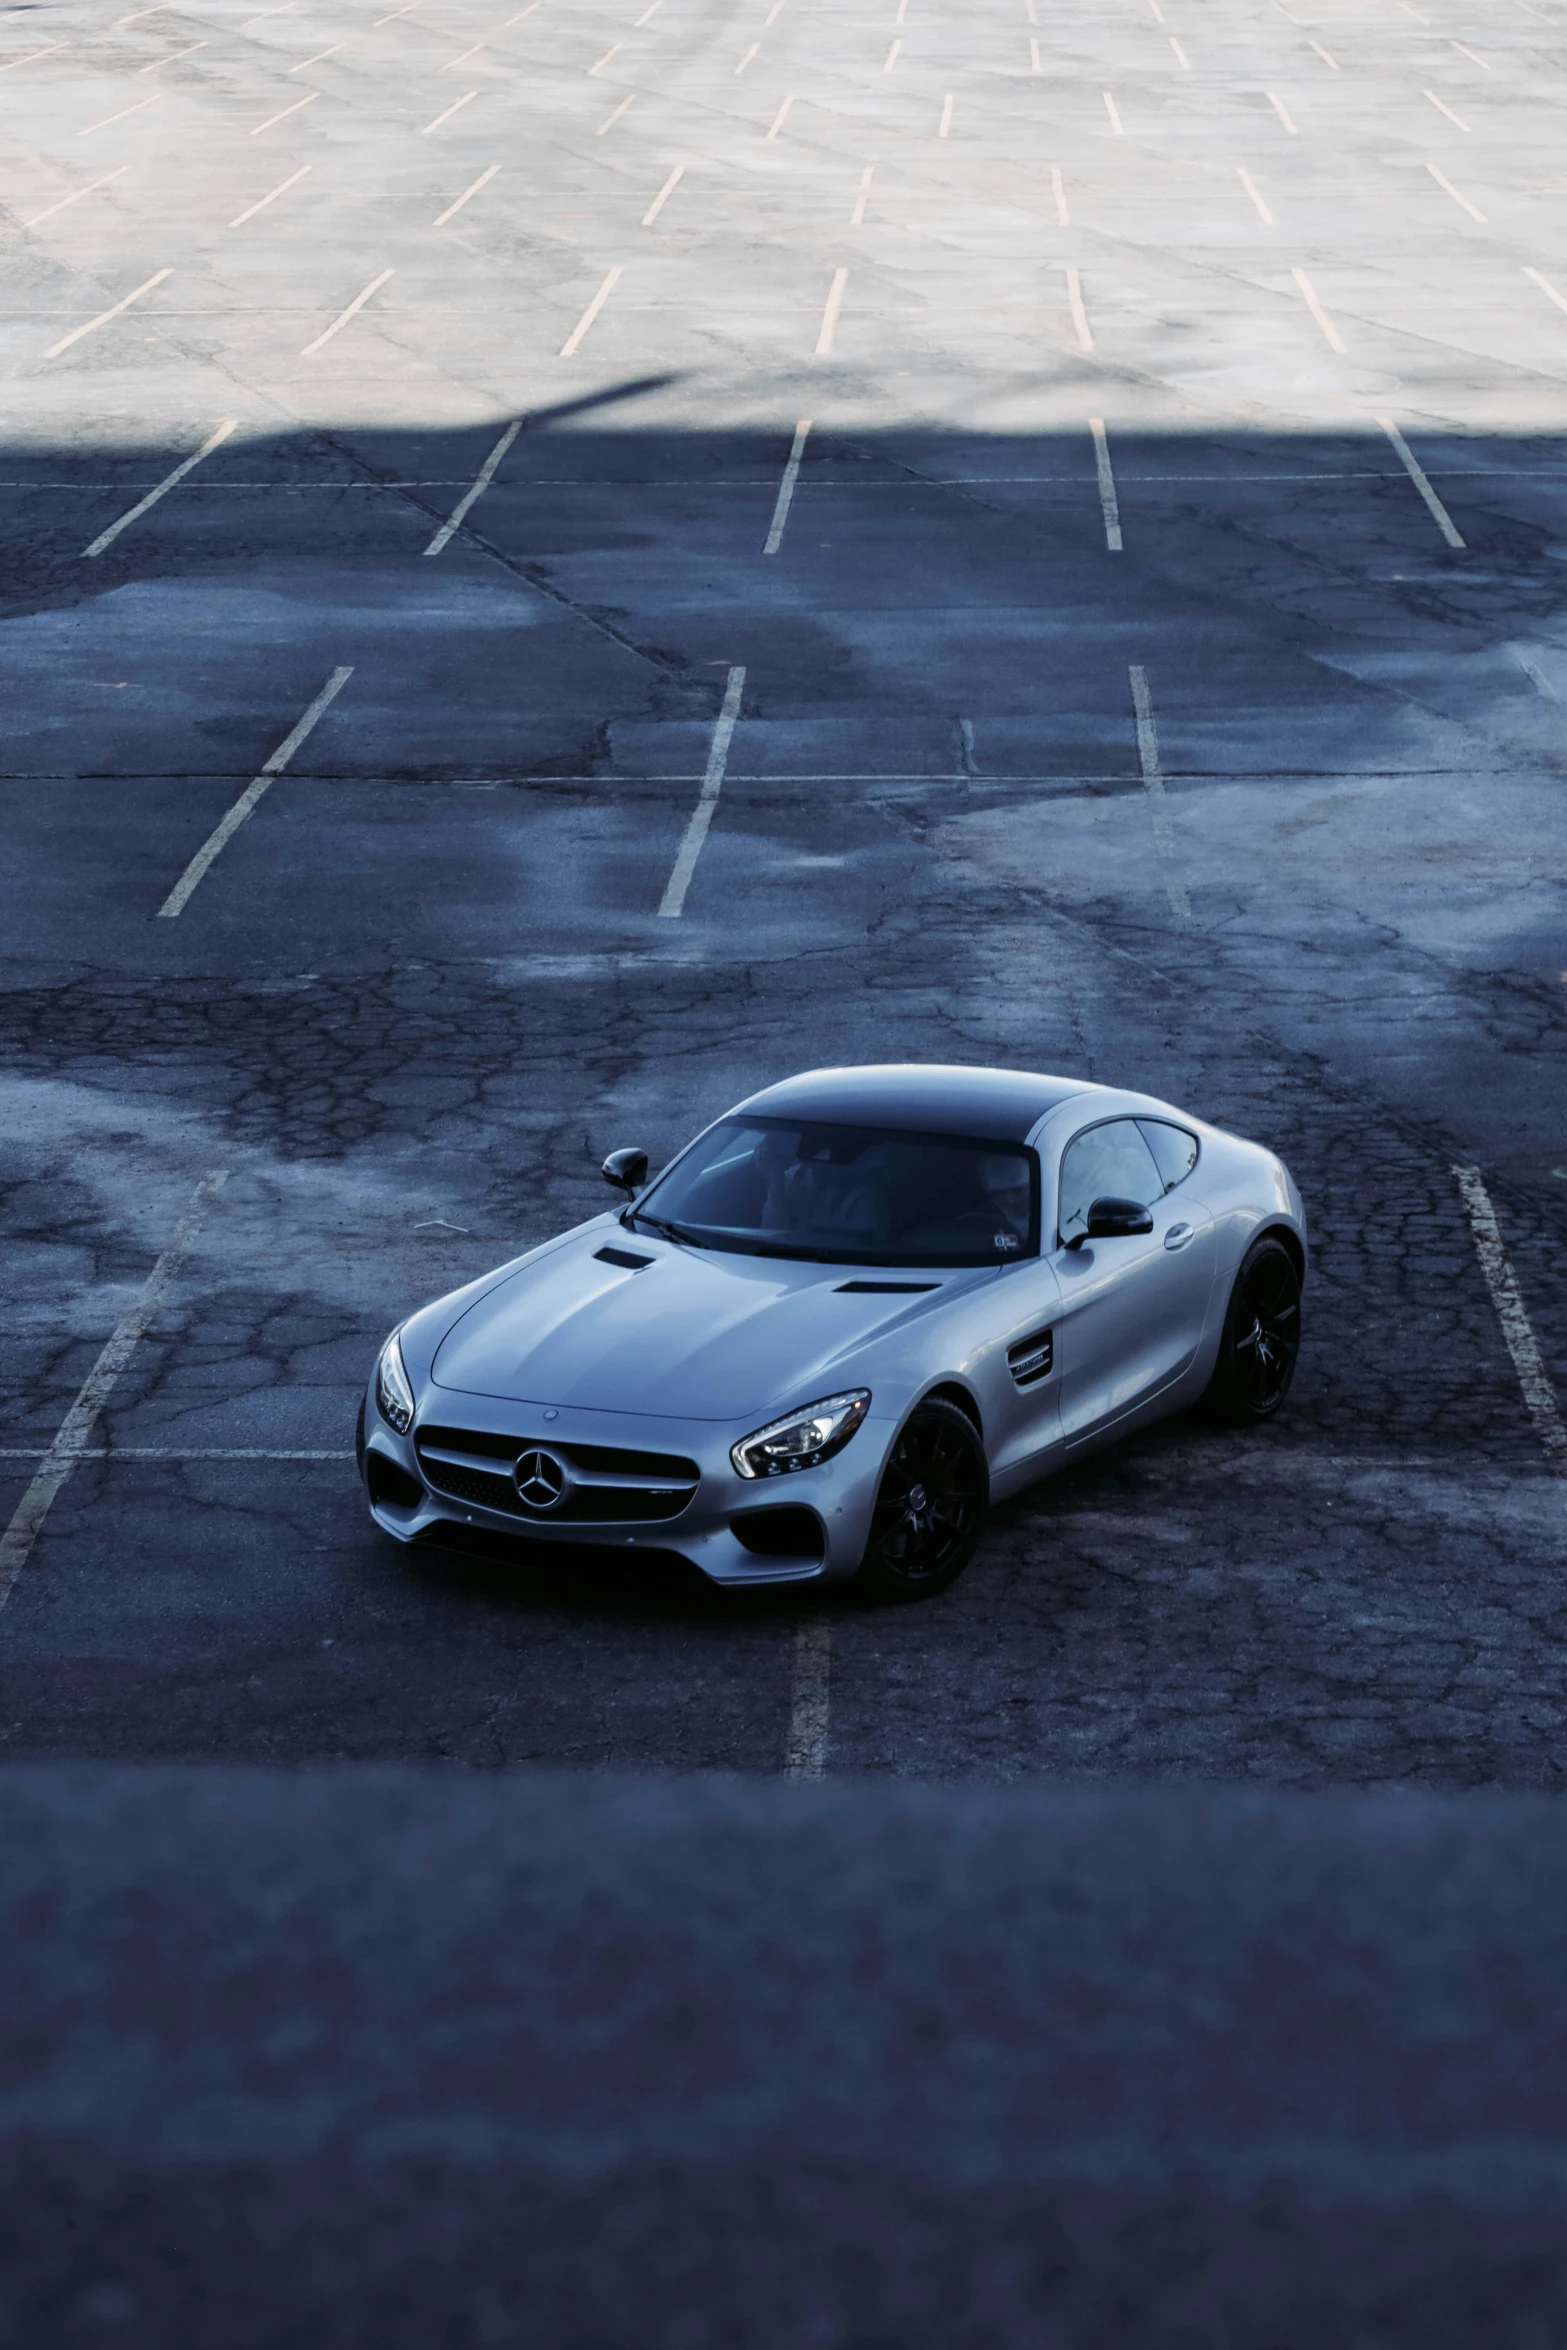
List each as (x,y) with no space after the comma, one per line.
(1261,1340)
(930,1510)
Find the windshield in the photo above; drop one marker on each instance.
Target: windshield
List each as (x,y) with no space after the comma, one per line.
(854,1195)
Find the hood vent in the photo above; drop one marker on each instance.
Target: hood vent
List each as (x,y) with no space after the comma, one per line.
(621,1256)
(885,1288)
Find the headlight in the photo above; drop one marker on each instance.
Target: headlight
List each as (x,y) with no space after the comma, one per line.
(393,1395)
(804,1439)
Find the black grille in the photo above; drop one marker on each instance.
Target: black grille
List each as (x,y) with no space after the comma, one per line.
(783,1533)
(660,1485)
(1032,1359)
(621,1257)
(885,1288)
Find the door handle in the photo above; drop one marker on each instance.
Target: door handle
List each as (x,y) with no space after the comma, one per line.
(1179,1234)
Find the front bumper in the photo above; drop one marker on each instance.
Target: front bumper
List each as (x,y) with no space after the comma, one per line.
(824,1542)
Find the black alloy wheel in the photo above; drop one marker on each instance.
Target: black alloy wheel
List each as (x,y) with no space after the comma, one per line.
(931,1507)
(1261,1340)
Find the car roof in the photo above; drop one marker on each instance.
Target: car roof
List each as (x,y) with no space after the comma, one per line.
(999,1105)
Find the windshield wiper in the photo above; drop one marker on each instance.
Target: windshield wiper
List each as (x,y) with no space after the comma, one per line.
(669,1231)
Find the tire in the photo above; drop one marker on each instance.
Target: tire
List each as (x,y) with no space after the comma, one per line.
(1261,1339)
(918,1547)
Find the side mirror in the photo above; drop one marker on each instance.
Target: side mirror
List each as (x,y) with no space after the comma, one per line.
(627,1170)
(1117,1219)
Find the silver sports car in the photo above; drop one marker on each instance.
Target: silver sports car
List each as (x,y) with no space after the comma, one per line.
(903,1291)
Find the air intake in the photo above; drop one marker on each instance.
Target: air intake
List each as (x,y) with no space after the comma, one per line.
(1032,1359)
(621,1256)
(885,1288)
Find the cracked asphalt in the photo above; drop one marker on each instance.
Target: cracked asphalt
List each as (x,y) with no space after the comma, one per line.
(1230,351)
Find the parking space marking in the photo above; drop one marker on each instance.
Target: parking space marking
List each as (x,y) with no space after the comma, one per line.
(1109,504)
(664,194)
(610,120)
(1537,678)
(214,440)
(1538,1393)
(1074,295)
(785,499)
(461,58)
(1282,111)
(857,216)
(829,326)
(104,316)
(810,1691)
(599,63)
(319,57)
(1114,113)
(892,57)
(76,196)
(1181,58)
(272,196)
(781,117)
(343,316)
(1473,57)
(1444,109)
(476,489)
(466,197)
(947,105)
(250,798)
(27,1519)
(672,904)
(1434,506)
(1547,289)
(33,55)
(125,111)
(647,15)
(1058,190)
(753,51)
(1158,802)
(455,107)
(274,119)
(173,57)
(1459,199)
(1331,63)
(1035,64)
(1331,335)
(1253,191)
(573,343)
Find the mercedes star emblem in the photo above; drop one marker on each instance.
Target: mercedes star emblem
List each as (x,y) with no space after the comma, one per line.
(541,1480)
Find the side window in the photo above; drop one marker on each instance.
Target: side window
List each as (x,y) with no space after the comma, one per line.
(1174,1150)
(1108,1162)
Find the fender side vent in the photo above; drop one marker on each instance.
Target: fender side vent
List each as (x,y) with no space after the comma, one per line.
(885,1288)
(621,1256)
(1032,1359)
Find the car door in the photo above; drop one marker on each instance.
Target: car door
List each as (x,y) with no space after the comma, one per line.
(1132,1310)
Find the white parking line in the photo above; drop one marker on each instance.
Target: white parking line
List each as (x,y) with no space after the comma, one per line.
(343,316)
(104,316)
(672,904)
(753,51)
(647,15)
(461,58)
(33,56)
(785,499)
(829,325)
(480,483)
(599,63)
(318,58)
(262,202)
(137,14)
(573,342)
(455,107)
(1537,678)
(1058,190)
(140,105)
(781,117)
(892,57)
(1538,1393)
(1250,186)
(610,120)
(810,1685)
(947,104)
(1114,113)
(663,196)
(1473,57)
(214,440)
(406,10)
(1074,295)
(1434,506)
(773,14)
(1109,503)
(1331,335)
(1444,109)
(273,119)
(1035,62)
(1331,63)
(27,1518)
(250,798)
(1547,289)
(466,197)
(1158,803)
(1181,58)
(1462,201)
(173,57)
(1282,111)
(857,216)
(76,196)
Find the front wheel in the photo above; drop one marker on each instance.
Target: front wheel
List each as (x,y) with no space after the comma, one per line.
(1261,1339)
(930,1510)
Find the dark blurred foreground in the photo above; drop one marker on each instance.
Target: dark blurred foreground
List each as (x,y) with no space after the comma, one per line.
(393,2056)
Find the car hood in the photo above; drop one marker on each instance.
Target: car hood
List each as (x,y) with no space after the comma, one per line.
(697,1334)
